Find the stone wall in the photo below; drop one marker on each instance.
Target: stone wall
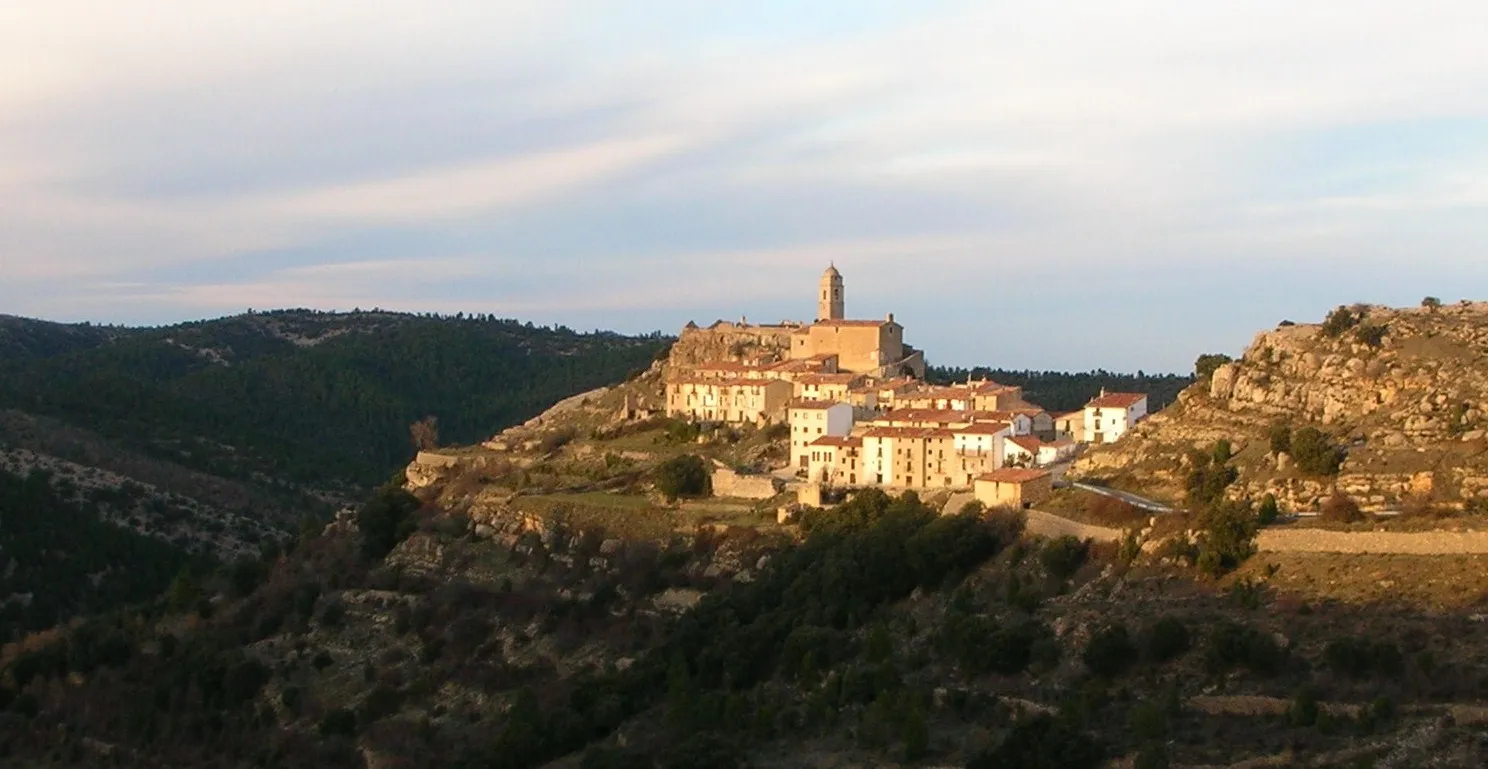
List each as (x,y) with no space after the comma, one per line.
(1050,525)
(1383,542)
(727,483)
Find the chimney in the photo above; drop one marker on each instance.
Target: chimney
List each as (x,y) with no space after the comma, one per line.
(891,317)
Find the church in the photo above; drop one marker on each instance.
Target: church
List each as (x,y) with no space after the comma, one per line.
(873,348)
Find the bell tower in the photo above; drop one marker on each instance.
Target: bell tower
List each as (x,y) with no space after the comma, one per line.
(829,305)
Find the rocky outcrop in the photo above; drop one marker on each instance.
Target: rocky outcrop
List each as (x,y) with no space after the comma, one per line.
(1405,391)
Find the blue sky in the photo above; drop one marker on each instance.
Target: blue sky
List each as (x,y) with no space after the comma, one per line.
(1120,184)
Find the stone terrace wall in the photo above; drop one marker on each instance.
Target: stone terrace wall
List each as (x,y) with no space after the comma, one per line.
(1381,542)
(727,483)
(1050,525)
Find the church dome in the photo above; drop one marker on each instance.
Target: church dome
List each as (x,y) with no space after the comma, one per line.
(832,272)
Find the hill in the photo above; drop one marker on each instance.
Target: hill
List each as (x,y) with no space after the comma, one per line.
(215,436)
(1060,391)
(1384,405)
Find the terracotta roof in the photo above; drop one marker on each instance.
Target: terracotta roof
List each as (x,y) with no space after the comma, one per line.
(724,382)
(814,405)
(1117,400)
(983,428)
(906,432)
(1013,475)
(1028,443)
(826,378)
(1069,414)
(841,441)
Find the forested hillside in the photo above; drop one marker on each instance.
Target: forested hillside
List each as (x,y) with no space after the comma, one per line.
(63,560)
(299,396)
(1061,391)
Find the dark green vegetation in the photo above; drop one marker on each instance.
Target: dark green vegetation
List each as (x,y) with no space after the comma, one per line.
(301,396)
(684,476)
(1059,391)
(68,561)
(212,433)
(890,634)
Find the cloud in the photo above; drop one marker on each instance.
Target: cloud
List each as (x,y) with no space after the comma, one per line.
(1042,169)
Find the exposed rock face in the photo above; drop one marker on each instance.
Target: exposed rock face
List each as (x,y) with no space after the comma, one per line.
(1410,410)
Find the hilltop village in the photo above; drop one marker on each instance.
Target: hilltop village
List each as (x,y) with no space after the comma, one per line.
(860,412)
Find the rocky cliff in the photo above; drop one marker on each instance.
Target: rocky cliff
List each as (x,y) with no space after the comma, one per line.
(1402,391)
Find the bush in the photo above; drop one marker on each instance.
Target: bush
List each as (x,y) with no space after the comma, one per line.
(1371,334)
(1226,537)
(1230,645)
(1304,709)
(1340,508)
(1313,453)
(1431,303)
(1340,320)
(1356,658)
(1208,363)
(340,722)
(1064,556)
(1166,639)
(1209,476)
(386,520)
(1269,510)
(1280,436)
(1110,652)
(684,476)
(1041,741)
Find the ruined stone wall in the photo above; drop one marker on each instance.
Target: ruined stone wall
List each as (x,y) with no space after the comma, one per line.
(727,483)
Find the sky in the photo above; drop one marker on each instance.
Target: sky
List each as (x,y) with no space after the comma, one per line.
(1121,184)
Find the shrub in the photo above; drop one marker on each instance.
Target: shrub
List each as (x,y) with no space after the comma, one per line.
(1151,756)
(1341,508)
(1208,363)
(1209,476)
(1304,708)
(1340,320)
(1110,652)
(385,520)
(1064,556)
(333,615)
(684,476)
(1356,658)
(1280,436)
(1269,511)
(1042,741)
(340,722)
(1166,639)
(1371,334)
(1226,537)
(1222,451)
(1230,645)
(1313,453)
(1431,303)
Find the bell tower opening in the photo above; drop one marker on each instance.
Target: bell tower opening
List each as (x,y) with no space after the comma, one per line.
(830,306)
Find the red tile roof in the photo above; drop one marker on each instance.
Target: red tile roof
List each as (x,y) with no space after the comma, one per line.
(983,428)
(907,432)
(1028,443)
(1117,400)
(813,405)
(841,441)
(1013,475)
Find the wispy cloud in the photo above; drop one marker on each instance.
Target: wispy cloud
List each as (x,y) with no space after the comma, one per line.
(1005,176)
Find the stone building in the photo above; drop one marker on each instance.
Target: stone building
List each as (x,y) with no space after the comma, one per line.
(871,347)
(1014,487)
(738,401)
